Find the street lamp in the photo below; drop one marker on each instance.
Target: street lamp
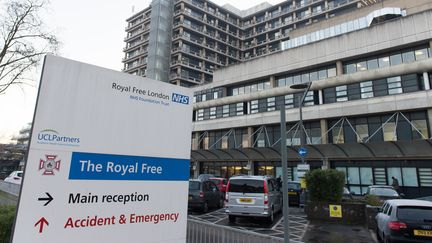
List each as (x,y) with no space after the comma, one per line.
(284,161)
(305,87)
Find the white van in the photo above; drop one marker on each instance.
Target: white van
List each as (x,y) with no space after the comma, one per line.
(252,196)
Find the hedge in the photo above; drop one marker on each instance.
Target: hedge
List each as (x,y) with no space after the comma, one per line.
(7,215)
(325,185)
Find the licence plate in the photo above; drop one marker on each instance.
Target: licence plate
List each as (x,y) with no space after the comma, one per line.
(245,200)
(292,193)
(427,233)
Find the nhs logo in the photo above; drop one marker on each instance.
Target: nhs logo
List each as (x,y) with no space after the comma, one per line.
(183,99)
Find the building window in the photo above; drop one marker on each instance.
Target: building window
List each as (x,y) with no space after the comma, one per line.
(366,90)
(394,85)
(341,93)
(225,111)
(254,106)
(239,109)
(200,115)
(212,112)
(271,104)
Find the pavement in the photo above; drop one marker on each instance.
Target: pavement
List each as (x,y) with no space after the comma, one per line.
(324,232)
(297,223)
(301,229)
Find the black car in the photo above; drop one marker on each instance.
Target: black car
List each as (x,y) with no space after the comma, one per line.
(402,220)
(294,192)
(204,195)
(383,193)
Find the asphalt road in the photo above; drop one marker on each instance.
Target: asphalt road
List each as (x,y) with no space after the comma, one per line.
(298,223)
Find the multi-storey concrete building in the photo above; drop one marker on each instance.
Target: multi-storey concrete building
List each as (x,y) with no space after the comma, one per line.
(368,112)
(369,109)
(195,37)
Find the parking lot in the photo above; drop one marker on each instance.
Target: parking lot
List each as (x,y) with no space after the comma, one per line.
(297,222)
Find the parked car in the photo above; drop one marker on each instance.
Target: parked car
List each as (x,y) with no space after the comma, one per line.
(15,177)
(204,195)
(205,177)
(221,183)
(294,192)
(404,220)
(383,193)
(252,196)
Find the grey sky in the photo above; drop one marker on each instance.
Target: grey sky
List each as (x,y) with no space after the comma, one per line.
(91,31)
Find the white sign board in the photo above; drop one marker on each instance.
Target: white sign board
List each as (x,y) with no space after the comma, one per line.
(108,159)
(302,169)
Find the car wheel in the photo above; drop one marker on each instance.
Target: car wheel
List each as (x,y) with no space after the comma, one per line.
(270,219)
(205,207)
(231,218)
(377,234)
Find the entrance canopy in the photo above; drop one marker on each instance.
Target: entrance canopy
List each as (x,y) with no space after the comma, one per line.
(416,149)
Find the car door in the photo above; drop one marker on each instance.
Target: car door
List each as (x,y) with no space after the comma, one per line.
(215,194)
(380,217)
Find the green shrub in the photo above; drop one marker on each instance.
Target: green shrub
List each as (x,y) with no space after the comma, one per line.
(325,185)
(7,215)
(373,200)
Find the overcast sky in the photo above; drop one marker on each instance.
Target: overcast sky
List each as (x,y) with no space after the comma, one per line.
(91,31)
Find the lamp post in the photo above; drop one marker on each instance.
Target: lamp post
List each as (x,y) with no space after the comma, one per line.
(305,87)
(284,161)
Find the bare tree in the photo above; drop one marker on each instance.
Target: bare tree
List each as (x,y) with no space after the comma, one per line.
(23,40)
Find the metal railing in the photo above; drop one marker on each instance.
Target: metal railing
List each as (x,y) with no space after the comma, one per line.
(203,232)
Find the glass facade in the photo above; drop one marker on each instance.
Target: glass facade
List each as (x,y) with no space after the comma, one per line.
(379,128)
(375,88)
(386,60)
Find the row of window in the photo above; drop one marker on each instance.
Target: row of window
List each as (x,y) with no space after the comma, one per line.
(305,77)
(359,178)
(399,126)
(392,59)
(363,90)
(249,88)
(369,89)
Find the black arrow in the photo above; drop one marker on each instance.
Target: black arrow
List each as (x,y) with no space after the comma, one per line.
(48,199)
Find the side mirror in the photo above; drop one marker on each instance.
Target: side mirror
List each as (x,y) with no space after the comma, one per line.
(379,210)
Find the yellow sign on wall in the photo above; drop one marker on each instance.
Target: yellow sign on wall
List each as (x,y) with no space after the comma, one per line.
(303,183)
(335,211)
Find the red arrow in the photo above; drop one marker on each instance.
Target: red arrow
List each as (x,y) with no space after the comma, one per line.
(41,221)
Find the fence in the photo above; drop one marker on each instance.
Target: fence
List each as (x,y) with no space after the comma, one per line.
(203,232)
(10,188)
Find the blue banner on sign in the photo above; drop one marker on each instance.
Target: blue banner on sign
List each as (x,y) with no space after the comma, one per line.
(91,166)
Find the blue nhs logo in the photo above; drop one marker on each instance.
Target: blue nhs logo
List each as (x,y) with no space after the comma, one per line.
(183,99)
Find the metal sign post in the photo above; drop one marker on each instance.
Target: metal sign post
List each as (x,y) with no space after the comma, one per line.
(284,164)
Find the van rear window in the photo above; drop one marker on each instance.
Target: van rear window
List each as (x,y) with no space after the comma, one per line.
(246,186)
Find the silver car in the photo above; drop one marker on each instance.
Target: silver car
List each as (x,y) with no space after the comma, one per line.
(252,196)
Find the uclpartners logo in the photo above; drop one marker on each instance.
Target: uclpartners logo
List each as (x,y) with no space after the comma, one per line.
(49,136)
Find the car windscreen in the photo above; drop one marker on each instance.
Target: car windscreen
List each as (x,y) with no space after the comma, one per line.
(215,181)
(194,185)
(246,186)
(19,174)
(415,213)
(386,192)
(294,186)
